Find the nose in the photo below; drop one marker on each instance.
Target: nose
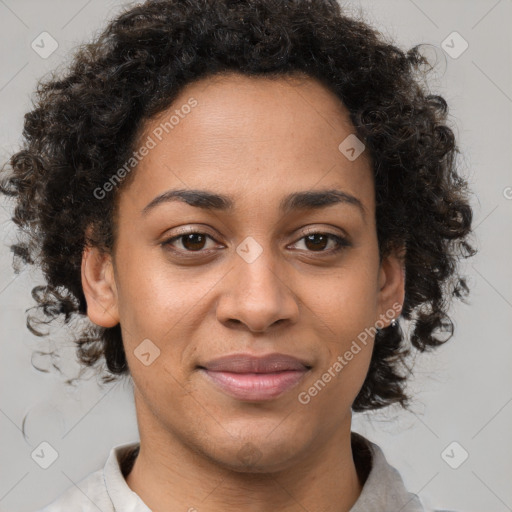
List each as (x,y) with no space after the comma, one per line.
(257,295)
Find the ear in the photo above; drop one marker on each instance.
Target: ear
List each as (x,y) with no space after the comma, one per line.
(391,293)
(99,287)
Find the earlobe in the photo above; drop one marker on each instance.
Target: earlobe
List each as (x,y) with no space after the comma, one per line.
(391,287)
(99,287)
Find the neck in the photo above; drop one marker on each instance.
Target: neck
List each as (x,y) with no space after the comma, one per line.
(168,475)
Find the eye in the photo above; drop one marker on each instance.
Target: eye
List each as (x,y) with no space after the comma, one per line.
(314,241)
(191,242)
(317,241)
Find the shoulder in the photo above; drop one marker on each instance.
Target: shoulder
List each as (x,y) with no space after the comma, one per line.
(88,495)
(104,489)
(383,488)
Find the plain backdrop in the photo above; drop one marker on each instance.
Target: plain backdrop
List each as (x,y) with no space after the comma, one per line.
(463,391)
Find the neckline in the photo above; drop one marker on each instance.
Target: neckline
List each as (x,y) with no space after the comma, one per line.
(361,453)
(128,460)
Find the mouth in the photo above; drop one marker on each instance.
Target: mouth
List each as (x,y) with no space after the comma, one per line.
(250,378)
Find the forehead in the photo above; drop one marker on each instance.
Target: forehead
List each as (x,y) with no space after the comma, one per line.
(251,135)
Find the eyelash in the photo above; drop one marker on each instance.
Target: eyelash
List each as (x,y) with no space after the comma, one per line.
(342,242)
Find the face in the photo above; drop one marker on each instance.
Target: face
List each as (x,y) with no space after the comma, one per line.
(275,265)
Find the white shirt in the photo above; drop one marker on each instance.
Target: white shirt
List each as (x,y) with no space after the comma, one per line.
(107,490)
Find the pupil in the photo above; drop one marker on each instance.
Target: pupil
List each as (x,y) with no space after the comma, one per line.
(190,239)
(311,237)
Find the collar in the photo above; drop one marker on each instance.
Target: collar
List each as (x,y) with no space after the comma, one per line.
(383,487)
(122,497)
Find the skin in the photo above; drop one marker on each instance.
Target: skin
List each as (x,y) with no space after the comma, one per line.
(256,140)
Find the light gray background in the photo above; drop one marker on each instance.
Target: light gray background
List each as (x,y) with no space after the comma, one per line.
(463,391)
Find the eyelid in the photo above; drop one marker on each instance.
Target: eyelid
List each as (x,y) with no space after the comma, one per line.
(181,231)
(195,228)
(175,237)
(312,231)
(342,242)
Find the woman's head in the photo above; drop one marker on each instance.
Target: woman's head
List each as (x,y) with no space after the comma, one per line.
(253,170)
(253,101)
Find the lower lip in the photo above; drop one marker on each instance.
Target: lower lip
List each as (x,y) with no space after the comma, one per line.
(255,386)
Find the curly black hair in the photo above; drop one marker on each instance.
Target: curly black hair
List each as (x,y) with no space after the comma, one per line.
(85,124)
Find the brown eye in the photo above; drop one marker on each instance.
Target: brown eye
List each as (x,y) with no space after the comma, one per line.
(193,241)
(316,242)
(190,242)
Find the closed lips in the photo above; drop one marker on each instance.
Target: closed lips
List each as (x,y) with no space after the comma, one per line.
(246,363)
(251,378)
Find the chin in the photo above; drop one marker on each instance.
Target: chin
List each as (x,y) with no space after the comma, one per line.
(256,452)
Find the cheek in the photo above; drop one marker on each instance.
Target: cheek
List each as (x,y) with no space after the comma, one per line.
(152,298)
(347,298)
(160,310)
(346,312)
(337,381)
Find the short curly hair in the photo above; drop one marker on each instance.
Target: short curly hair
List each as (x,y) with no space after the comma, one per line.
(85,124)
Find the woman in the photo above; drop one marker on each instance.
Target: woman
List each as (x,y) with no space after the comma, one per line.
(245,198)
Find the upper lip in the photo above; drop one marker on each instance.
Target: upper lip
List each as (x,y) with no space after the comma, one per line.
(247,363)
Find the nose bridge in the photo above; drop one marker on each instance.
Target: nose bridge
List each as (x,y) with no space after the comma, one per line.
(257,268)
(258,295)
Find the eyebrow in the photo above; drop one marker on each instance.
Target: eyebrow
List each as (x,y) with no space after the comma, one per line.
(308,200)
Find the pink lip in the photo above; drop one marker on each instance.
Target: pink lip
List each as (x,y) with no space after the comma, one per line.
(255,386)
(247,377)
